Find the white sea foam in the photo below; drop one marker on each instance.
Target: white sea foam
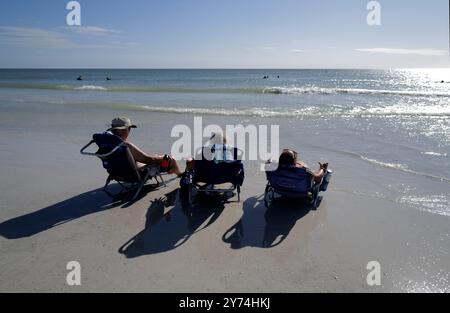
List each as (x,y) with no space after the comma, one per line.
(310,111)
(274,90)
(257,112)
(91,88)
(409,110)
(404,168)
(331,91)
(437,154)
(396,166)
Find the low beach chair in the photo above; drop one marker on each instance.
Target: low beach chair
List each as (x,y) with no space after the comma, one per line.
(121,166)
(292,183)
(208,174)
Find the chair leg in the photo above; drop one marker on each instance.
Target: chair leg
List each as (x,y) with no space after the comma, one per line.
(163,182)
(105,188)
(190,195)
(266,195)
(315,198)
(138,191)
(108,180)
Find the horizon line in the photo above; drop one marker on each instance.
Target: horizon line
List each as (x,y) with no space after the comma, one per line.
(221,68)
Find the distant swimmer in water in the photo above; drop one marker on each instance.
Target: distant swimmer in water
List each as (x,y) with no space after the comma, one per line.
(108,78)
(265,77)
(80,77)
(442,82)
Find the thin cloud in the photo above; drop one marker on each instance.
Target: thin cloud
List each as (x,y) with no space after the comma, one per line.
(90,30)
(267,48)
(34,38)
(55,39)
(297,50)
(421,52)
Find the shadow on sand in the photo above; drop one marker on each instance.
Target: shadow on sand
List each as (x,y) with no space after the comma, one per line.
(185,221)
(91,202)
(263,227)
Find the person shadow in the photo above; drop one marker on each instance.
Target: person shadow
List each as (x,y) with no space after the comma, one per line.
(265,227)
(185,221)
(91,202)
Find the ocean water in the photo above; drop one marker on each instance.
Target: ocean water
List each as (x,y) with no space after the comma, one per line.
(286,93)
(392,119)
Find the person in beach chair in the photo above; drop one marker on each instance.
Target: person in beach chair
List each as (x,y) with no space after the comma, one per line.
(125,162)
(216,164)
(292,178)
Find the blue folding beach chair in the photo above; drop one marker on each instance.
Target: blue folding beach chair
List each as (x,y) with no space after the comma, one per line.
(208,174)
(293,183)
(121,166)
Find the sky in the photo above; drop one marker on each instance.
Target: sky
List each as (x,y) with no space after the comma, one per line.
(224,34)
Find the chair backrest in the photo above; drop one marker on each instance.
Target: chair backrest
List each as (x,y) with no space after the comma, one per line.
(213,172)
(290,180)
(120,164)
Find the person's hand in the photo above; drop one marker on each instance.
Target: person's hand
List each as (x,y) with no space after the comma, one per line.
(323,166)
(166,162)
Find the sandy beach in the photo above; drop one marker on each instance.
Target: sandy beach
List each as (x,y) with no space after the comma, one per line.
(53,211)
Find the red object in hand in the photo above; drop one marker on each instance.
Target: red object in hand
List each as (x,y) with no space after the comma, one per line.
(165,163)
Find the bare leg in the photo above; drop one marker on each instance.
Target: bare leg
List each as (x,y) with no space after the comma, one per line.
(140,165)
(174,168)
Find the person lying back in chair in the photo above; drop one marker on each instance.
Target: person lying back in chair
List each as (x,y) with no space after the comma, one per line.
(217,149)
(290,158)
(121,127)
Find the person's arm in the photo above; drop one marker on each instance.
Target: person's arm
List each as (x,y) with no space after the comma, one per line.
(141,156)
(318,176)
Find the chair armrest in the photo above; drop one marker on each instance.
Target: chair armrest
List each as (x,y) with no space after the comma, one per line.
(100,155)
(82,151)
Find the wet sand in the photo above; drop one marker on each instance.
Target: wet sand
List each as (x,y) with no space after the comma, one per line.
(53,211)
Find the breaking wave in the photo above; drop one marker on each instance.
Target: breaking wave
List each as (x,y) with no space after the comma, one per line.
(403,168)
(334,91)
(309,90)
(91,88)
(299,113)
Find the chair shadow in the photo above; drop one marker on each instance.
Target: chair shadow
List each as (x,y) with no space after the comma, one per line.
(31,224)
(185,221)
(263,227)
(88,203)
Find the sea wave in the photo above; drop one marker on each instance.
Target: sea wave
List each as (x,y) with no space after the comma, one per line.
(394,166)
(91,88)
(274,90)
(299,113)
(137,89)
(324,112)
(436,154)
(403,168)
(255,112)
(354,91)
